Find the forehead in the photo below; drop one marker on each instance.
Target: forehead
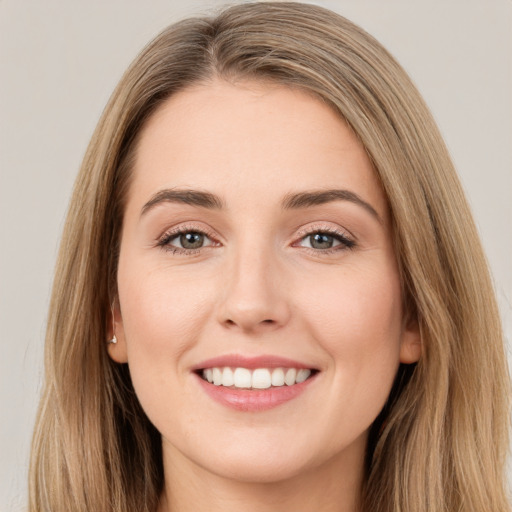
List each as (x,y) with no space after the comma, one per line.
(269,139)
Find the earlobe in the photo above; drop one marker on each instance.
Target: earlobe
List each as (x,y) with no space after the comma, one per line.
(411,346)
(116,342)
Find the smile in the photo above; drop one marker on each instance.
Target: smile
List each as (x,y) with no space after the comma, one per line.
(259,378)
(254,384)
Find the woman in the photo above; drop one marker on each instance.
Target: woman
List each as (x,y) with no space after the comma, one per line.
(270,292)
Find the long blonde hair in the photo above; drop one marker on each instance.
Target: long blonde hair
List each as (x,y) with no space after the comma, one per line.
(441,442)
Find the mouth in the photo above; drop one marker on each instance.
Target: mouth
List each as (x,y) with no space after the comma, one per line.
(254,384)
(255,379)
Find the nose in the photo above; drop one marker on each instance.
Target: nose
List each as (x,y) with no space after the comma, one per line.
(254,298)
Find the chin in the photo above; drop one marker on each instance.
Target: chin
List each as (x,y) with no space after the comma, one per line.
(272,460)
(264,470)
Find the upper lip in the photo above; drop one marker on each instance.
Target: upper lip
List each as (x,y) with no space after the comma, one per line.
(252,362)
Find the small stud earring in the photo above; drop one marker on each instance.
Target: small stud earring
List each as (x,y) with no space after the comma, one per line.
(113,340)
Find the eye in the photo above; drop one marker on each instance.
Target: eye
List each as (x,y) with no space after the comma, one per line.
(185,240)
(324,240)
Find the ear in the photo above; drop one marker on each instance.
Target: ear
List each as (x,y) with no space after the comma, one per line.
(117,351)
(411,346)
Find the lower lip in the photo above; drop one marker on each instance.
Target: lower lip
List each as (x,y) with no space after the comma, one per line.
(252,400)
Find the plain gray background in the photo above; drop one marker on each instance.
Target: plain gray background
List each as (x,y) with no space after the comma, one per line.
(59,62)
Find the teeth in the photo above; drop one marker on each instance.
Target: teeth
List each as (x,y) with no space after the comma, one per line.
(261,378)
(227,377)
(289,378)
(302,375)
(242,378)
(217,376)
(278,377)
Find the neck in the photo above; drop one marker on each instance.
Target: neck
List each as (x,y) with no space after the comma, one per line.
(333,486)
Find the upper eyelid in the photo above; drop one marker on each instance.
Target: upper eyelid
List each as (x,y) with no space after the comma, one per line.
(187,228)
(323,228)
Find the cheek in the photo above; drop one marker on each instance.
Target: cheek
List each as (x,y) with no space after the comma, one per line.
(358,323)
(361,308)
(158,310)
(162,319)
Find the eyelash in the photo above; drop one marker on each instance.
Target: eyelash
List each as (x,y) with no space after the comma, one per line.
(345,241)
(168,236)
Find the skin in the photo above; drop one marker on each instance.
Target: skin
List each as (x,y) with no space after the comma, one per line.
(259,287)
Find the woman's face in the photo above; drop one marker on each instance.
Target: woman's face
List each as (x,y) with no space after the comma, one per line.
(257,251)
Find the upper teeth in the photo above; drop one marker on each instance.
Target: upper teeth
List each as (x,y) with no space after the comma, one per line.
(261,378)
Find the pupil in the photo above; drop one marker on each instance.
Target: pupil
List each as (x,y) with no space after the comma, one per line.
(192,240)
(321,241)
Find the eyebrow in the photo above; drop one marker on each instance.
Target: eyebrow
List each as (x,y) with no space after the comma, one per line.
(190,197)
(314,198)
(292,201)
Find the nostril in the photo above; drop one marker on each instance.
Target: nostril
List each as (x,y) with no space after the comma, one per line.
(268,321)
